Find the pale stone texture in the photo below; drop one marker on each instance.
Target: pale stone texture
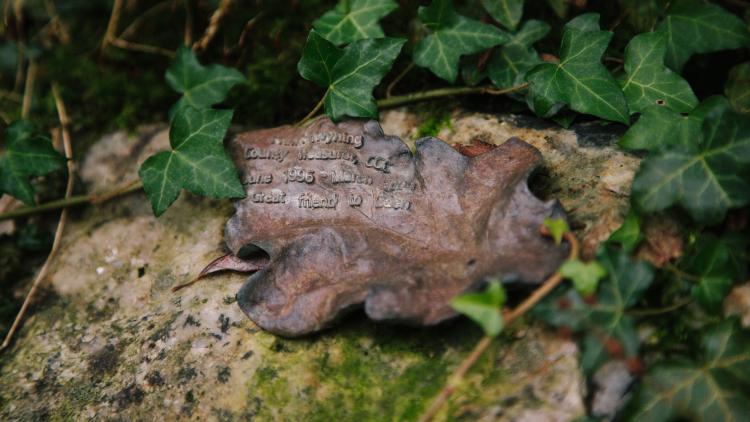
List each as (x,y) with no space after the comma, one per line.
(110,341)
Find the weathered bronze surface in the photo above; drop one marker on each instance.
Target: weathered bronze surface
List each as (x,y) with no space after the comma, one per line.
(350,217)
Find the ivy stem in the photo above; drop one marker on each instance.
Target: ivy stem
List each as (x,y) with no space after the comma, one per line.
(414,97)
(397,79)
(42,274)
(312,112)
(454,380)
(71,202)
(659,311)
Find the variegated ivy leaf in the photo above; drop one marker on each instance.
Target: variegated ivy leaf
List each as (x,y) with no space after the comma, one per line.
(197,161)
(201,86)
(648,82)
(27,154)
(707,177)
(349,74)
(737,88)
(580,80)
(510,62)
(693,26)
(353,20)
(451,37)
(507,12)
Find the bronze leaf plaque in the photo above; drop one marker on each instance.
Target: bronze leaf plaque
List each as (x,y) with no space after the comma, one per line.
(351,217)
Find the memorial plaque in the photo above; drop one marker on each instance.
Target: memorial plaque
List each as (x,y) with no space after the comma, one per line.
(352,218)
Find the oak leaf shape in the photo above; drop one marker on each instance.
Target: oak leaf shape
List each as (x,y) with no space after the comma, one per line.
(429,225)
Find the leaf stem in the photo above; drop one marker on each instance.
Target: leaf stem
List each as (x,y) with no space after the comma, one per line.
(64,125)
(454,380)
(659,311)
(415,97)
(312,112)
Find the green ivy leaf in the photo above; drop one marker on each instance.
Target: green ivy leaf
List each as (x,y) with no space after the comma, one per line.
(451,37)
(643,14)
(606,319)
(507,12)
(707,177)
(585,276)
(28,154)
(508,65)
(661,128)
(737,88)
(484,308)
(353,20)
(648,81)
(197,161)
(559,7)
(201,86)
(711,262)
(557,228)
(700,27)
(629,234)
(350,74)
(712,388)
(580,80)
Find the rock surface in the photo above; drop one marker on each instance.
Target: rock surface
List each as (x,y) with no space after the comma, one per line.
(110,341)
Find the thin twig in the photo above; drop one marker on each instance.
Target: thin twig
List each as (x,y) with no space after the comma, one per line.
(64,123)
(397,79)
(28,90)
(457,376)
(142,48)
(114,19)
(133,27)
(187,37)
(312,112)
(213,26)
(658,311)
(93,199)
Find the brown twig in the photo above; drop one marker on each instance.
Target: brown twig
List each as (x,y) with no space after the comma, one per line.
(213,26)
(133,27)
(187,37)
(114,19)
(457,376)
(28,90)
(141,48)
(64,123)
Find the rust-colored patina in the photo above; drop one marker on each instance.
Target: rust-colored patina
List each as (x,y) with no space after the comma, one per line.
(350,217)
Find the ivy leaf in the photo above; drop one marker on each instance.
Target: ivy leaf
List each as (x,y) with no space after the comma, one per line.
(711,262)
(28,154)
(648,81)
(580,80)
(712,388)
(197,161)
(451,37)
(585,276)
(350,74)
(629,234)
(737,88)
(354,20)
(484,308)
(557,228)
(700,27)
(559,7)
(509,63)
(201,86)
(605,320)
(643,14)
(706,177)
(507,12)
(661,128)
